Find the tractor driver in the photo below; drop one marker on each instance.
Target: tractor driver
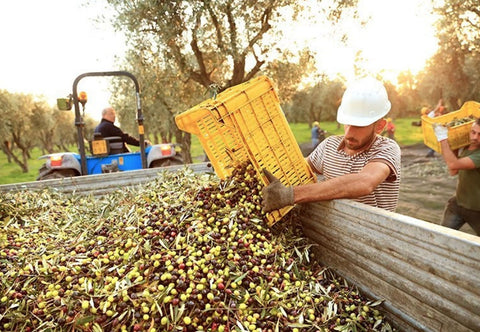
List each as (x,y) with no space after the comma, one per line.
(107,128)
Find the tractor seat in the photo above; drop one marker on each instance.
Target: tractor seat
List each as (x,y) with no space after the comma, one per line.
(116,144)
(102,146)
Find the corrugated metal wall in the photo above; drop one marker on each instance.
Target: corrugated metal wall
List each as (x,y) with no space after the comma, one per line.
(428,275)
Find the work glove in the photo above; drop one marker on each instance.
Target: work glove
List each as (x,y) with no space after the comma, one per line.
(276,195)
(441,132)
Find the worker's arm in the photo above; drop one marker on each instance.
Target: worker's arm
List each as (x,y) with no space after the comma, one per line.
(454,163)
(130,140)
(112,130)
(346,186)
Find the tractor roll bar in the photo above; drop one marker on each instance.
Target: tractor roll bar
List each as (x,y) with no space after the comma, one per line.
(79,123)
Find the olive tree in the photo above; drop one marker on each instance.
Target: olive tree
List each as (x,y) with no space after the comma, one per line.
(17,128)
(452,72)
(210,42)
(316,103)
(179,46)
(43,120)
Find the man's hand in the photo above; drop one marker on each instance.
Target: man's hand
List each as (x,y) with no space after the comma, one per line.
(441,132)
(276,195)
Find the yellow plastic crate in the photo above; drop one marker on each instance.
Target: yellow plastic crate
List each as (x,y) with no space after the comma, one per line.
(458,136)
(246,123)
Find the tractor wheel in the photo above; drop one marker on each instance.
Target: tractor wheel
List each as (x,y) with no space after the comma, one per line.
(58,174)
(166,162)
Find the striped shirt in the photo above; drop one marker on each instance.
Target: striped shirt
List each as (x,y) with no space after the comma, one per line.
(330,160)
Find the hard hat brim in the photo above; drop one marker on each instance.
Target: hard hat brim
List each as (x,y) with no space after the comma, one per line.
(360,121)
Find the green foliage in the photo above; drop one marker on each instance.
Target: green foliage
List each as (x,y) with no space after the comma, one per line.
(452,73)
(195,38)
(288,74)
(316,103)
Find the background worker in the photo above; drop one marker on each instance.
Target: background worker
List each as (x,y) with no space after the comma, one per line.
(360,165)
(423,111)
(318,134)
(438,110)
(107,128)
(464,206)
(390,129)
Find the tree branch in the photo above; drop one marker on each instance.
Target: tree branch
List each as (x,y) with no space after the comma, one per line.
(233,31)
(216,24)
(265,27)
(475,10)
(201,76)
(239,61)
(255,68)
(475,26)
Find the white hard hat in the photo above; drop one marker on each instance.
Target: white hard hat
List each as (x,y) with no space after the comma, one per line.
(364,102)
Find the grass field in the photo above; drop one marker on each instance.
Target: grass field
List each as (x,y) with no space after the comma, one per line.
(406,134)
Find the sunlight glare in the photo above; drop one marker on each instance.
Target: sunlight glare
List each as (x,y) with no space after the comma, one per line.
(397,36)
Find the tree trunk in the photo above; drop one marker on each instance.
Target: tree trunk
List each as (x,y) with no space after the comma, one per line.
(25,157)
(10,156)
(319,114)
(62,147)
(311,112)
(186,143)
(25,154)
(5,149)
(47,143)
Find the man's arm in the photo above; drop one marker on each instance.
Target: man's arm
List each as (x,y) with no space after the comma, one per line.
(126,138)
(345,186)
(454,163)
(130,140)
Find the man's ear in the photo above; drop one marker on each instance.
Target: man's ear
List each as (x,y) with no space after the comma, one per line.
(379,125)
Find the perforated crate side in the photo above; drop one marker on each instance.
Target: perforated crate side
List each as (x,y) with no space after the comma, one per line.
(220,141)
(270,141)
(246,123)
(271,144)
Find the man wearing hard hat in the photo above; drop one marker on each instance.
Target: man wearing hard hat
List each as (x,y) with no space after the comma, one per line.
(360,165)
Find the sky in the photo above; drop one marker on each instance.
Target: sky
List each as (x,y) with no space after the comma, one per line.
(399,36)
(47,44)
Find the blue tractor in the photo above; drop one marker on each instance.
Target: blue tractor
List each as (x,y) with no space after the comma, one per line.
(106,153)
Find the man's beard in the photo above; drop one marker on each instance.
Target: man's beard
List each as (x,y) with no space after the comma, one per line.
(354,144)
